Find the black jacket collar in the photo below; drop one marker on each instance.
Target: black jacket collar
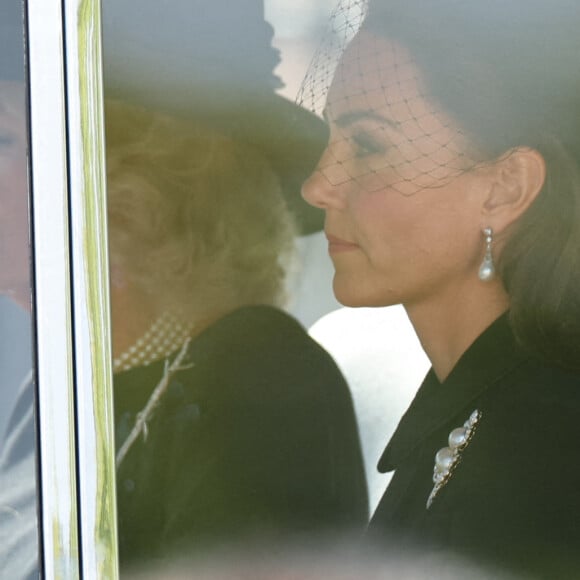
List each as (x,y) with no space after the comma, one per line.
(493,354)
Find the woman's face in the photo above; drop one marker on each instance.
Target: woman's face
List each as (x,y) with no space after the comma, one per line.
(403,214)
(14,240)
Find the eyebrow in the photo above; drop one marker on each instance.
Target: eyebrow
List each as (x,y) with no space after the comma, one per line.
(352,117)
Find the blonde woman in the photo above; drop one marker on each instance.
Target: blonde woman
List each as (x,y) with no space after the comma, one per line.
(254,435)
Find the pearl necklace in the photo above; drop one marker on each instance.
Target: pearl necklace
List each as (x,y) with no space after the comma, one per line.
(166,335)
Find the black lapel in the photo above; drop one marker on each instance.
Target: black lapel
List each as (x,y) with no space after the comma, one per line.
(493,354)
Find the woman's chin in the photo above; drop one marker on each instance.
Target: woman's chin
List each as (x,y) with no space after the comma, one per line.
(355,295)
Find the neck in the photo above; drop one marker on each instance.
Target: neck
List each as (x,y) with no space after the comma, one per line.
(132,314)
(448,327)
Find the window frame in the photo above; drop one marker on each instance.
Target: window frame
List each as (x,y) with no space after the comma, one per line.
(71,301)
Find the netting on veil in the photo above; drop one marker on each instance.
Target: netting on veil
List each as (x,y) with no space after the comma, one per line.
(344,22)
(386,130)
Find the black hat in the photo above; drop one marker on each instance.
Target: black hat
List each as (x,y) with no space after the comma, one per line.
(213,60)
(12,39)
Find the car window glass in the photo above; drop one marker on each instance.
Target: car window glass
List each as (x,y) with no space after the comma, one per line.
(232,425)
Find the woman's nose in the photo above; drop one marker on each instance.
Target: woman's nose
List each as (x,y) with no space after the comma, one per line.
(318,190)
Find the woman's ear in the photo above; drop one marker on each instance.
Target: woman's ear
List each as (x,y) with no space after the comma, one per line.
(517,179)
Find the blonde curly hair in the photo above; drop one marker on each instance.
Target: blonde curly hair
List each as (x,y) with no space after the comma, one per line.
(196,219)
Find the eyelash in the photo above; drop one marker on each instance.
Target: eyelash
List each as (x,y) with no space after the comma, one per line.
(366,145)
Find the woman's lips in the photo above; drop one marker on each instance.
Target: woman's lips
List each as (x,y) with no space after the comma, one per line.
(338,245)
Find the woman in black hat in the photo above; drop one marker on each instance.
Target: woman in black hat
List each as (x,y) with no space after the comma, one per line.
(451,184)
(256,436)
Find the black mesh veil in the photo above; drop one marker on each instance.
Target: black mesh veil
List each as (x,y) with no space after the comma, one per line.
(345,21)
(386,128)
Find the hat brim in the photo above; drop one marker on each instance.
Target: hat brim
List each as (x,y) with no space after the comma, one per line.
(290,137)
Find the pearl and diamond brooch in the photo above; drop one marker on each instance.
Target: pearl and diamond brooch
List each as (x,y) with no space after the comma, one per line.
(448,458)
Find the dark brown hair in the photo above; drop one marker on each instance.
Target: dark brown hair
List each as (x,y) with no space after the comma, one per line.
(509,74)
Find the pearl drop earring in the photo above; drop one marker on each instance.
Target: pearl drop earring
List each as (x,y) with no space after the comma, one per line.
(487,268)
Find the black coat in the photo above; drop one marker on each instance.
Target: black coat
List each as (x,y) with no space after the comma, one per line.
(513,498)
(257,438)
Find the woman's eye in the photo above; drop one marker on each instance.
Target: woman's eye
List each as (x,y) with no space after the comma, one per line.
(366,145)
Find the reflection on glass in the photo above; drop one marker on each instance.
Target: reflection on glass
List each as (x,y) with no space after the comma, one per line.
(232,424)
(18,518)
